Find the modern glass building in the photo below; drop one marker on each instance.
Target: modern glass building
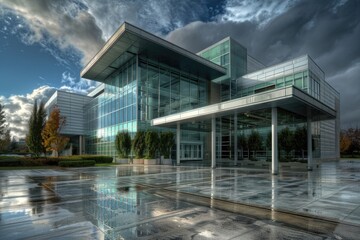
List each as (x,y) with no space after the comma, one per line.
(223,105)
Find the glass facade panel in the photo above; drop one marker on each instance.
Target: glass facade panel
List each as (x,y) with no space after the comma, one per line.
(163,91)
(111,111)
(231,56)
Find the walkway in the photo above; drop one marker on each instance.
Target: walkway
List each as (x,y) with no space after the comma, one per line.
(163,202)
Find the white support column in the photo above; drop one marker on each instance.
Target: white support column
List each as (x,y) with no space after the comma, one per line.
(309,144)
(178,144)
(213,142)
(235,140)
(274,142)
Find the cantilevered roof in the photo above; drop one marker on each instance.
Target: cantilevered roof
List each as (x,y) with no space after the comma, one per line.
(129,40)
(289,98)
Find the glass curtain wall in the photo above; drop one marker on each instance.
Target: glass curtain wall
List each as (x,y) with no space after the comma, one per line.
(112,111)
(254,136)
(232,56)
(163,91)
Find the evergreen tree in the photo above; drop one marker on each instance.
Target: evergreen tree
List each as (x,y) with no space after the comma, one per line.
(123,144)
(167,141)
(300,139)
(2,121)
(254,142)
(52,140)
(5,141)
(286,141)
(36,125)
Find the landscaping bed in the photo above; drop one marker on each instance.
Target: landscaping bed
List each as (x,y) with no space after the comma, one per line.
(70,161)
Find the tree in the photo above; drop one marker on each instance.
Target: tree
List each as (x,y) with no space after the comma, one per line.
(151,143)
(286,141)
(345,142)
(167,141)
(139,144)
(242,144)
(2,121)
(5,141)
(123,144)
(300,139)
(36,124)
(52,140)
(254,142)
(13,145)
(354,135)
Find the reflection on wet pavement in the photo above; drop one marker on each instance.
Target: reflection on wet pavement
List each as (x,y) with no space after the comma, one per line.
(164,202)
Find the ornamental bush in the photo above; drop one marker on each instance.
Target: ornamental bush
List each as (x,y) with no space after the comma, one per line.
(152,144)
(83,163)
(97,158)
(139,144)
(167,141)
(123,144)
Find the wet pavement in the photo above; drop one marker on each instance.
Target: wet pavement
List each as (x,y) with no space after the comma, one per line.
(188,202)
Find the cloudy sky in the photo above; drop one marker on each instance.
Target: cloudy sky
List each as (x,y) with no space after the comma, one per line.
(44,44)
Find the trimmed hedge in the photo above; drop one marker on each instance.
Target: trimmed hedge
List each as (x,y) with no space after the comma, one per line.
(15,161)
(37,162)
(82,163)
(97,158)
(10,162)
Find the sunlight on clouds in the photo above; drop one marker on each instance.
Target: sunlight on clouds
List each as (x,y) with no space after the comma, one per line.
(68,27)
(18,108)
(259,11)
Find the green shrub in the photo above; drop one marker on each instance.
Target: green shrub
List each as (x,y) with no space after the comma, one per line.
(39,161)
(123,144)
(70,158)
(97,158)
(139,144)
(152,144)
(167,141)
(83,163)
(10,162)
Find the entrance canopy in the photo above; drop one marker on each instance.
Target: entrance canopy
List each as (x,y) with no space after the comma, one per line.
(129,41)
(289,98)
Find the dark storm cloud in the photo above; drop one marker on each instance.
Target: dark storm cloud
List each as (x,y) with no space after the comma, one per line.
(64,24)
(329,31)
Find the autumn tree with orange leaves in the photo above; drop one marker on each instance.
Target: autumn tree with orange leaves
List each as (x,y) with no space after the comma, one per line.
(52,140)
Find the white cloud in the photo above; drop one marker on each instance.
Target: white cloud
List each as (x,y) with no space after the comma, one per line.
(18,108)
(258,11)
(67,78)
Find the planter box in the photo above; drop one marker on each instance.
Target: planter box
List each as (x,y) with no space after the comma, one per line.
(122,161)
(150,161)
(138,161)
(166,161)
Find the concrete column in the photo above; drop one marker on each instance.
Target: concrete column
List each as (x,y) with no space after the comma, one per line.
(274,142)
(178,144)
(213,142)
(81,144)
(309,144)
(235,140)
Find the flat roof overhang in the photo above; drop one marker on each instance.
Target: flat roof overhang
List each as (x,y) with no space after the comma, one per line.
(129,40)
(289,98)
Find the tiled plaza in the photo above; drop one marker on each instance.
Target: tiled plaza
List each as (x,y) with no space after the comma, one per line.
(187,202)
